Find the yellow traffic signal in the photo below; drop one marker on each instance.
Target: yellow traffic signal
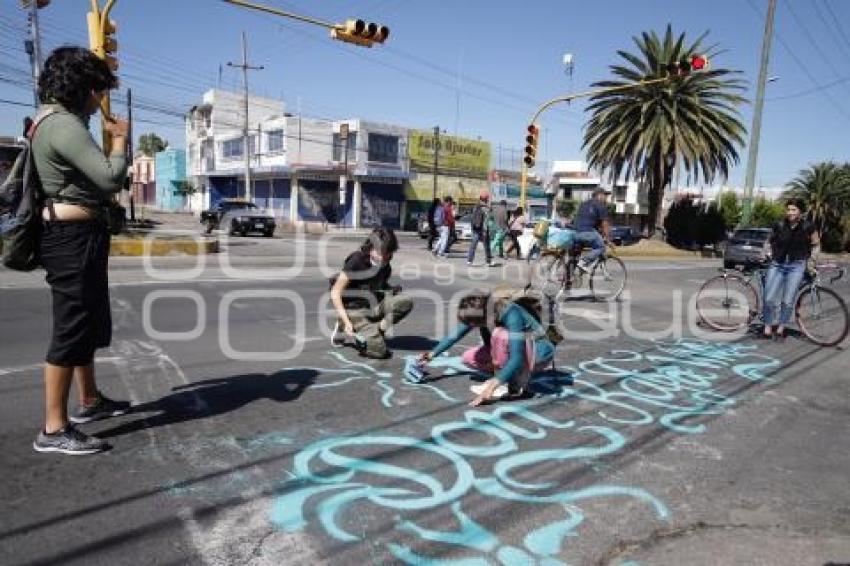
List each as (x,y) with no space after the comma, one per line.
(110,44)
(531,141)
(102,40)
(360,33)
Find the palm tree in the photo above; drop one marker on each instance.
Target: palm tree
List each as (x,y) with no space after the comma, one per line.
(825,190)
(644,132)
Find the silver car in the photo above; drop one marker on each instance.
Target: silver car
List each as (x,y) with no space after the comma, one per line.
(747,247)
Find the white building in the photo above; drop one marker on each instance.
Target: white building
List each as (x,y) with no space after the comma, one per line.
(297,164)
(572,180)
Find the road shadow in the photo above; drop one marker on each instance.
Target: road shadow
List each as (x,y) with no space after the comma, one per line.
(411,343)
(213,397)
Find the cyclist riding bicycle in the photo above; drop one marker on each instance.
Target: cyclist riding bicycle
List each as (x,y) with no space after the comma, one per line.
(592,227)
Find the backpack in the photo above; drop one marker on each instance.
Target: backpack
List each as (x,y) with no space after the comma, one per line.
(541,229)
(532,303)
(22,197)
(478,217)
(439,216)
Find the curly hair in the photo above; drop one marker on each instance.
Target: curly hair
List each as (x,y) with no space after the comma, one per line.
(472,308)
(70,75)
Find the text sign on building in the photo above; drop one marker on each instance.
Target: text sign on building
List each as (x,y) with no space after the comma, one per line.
(456,155)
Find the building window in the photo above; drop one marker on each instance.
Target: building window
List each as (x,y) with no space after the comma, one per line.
(232,149)
(383,149)
(275,141)
(620,193)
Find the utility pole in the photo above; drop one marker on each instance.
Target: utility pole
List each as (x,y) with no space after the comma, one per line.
(755,131)
(436,156)
(246,138)
(133,185)
(343,180)
(32,46)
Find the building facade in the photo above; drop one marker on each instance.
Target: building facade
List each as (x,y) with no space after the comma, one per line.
(144,180)
(171,180)
(297,164)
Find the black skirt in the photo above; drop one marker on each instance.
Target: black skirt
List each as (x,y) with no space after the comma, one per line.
(75,255)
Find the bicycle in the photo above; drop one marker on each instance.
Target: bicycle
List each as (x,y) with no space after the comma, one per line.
(731,301)
(556,273)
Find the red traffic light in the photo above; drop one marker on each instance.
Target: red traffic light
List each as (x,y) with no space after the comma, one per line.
(699,62)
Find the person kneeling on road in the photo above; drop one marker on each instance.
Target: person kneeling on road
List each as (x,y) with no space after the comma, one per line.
(515,343)
(366,304)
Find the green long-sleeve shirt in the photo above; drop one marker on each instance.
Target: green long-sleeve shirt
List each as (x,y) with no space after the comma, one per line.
(71,166)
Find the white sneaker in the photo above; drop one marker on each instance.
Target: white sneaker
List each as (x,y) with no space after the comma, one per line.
(338,337)
(498,393)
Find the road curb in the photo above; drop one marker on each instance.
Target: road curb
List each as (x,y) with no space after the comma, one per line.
(159,246)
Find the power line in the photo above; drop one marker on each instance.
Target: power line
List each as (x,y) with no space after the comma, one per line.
(802,66)
(835,21)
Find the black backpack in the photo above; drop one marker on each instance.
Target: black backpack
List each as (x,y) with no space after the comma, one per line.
(477,222)
(21,201)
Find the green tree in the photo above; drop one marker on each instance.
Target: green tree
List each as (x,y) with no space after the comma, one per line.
(824,188)
(766,213)
(643,133)
(730,208)
(151,144)
(566,207)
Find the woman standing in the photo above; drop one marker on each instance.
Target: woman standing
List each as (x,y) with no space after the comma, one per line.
(78,180)
(792,241)
(515,230)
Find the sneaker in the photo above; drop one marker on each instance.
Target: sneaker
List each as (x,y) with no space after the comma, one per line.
(69,440)
(469,263)
(102,409)
(337,336)
(498,393)
(583,267)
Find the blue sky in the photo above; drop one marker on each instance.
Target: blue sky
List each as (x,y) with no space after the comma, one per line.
(477,67)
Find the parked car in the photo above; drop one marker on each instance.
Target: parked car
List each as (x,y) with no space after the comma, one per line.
(238,217)
(422,226)
(624,235)
(747,247)
(463,227)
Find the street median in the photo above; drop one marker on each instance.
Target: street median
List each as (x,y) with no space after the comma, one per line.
(124,245)
(655,249)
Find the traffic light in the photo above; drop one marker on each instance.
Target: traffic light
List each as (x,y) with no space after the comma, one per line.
(683,67)
(110,44)
(531,141)
(361,33)
(102,40)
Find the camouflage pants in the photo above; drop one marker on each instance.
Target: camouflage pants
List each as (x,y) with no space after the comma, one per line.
(366,322)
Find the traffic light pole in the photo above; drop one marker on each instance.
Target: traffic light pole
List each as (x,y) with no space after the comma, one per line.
(755,131)
(569,98)
(96,40)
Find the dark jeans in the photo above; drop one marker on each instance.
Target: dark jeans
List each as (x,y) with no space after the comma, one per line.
(513,237)
(479,236)
(76,256)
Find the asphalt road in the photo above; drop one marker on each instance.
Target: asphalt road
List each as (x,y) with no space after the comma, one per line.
(253,441)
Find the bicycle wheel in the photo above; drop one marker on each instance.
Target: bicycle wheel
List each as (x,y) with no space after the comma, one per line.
(822,315)
(548,275)
(727,302)
(608,278)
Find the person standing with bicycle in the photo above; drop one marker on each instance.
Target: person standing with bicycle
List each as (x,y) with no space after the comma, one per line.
(592,227)
(791,242)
